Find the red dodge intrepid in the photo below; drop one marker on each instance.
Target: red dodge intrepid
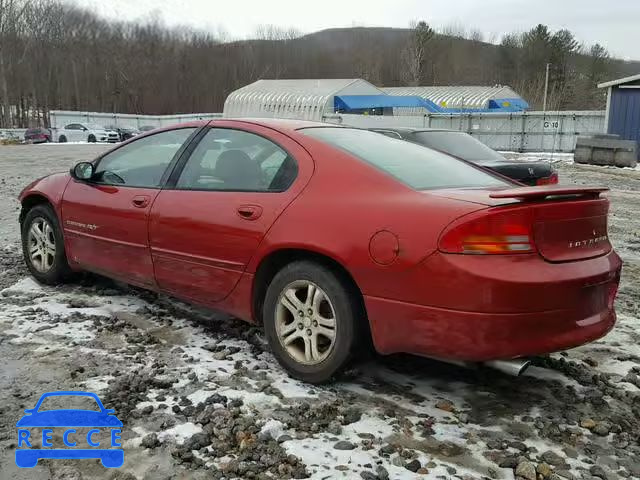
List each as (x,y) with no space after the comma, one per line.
(329,236)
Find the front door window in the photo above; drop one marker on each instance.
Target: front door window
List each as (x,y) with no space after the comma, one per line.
(143,162)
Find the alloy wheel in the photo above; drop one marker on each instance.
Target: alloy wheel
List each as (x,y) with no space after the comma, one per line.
(42,245)
(306,322)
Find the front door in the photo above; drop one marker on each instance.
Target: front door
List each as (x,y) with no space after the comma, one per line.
(105,220)
(204,231)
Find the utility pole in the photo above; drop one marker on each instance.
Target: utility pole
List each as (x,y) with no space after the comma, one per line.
(546,89)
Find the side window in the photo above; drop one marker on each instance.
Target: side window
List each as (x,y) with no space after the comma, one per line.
(72,126)
(142,162)
(233,160)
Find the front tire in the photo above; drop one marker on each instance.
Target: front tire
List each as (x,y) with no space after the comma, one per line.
(310,319)
(43,246)
(92,139)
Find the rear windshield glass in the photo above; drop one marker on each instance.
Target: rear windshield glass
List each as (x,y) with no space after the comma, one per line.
(416,166)
(458,144)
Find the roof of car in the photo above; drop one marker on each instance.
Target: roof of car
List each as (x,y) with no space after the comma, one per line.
(277,123)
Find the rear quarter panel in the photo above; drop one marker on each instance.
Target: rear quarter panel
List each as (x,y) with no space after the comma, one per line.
(345,204)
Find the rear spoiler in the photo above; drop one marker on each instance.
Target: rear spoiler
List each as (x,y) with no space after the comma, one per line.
(536,193)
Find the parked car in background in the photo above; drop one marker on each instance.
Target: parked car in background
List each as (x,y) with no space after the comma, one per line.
(37,135)
(464,146)
(125,133)
(147,128)
(87,132)
(329,236)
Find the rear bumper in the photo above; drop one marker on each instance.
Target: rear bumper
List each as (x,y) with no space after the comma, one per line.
(482,309)
(476,337)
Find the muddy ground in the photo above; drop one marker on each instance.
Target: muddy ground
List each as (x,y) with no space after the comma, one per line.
(200,396)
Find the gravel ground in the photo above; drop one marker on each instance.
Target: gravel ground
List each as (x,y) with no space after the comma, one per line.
(201,397)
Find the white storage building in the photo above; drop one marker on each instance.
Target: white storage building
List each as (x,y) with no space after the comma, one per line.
(300,99)
(463,97)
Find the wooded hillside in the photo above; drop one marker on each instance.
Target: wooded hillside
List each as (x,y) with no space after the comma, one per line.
(55,56)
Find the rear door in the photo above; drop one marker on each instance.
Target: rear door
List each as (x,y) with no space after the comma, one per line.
(105,220)
(204,231)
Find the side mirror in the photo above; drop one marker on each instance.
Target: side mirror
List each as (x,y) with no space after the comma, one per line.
(84,129)
(83,171)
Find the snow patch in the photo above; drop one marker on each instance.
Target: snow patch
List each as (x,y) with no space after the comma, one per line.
(273,429)
(27,284)
(179,433)
(255,399)
(98,384)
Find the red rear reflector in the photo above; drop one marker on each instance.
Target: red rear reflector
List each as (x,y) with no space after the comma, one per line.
(550,180)
(612,294)
(498,232)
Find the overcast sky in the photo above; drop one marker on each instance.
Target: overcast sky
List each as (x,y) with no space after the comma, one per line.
(614,24)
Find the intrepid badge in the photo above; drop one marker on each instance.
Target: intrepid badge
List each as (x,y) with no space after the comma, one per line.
(589,242)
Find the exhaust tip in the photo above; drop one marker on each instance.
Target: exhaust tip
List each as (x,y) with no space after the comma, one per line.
(514,367)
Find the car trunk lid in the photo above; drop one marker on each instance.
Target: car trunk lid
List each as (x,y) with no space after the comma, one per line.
(572,229)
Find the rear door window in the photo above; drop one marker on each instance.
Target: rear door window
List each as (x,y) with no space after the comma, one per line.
(414,165)
(234,160)
(389,133)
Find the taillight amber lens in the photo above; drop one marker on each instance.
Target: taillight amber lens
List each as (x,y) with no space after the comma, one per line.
(490,233)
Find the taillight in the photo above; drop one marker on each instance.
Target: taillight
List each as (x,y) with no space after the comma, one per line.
(550,180)
(491,233)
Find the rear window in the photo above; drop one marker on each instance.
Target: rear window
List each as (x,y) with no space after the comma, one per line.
(414,165)
(458,144)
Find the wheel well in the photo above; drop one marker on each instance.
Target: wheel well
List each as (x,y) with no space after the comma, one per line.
(31,201)
(275,261)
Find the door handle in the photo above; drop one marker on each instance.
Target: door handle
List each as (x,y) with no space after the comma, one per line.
(140,201)
(249,212)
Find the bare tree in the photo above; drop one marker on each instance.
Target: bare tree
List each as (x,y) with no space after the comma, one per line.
(416,52)
(11,12)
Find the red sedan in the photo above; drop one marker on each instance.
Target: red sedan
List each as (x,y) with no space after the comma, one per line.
(328,235)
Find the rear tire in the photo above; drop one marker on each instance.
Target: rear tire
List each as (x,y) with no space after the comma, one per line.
(310,321)
(62,139)
(43,246)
